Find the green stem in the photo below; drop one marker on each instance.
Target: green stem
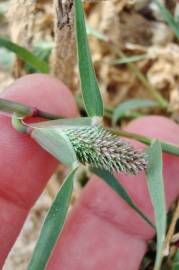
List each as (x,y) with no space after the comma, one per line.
(22,110)
(8,106)
(18,125)
(47,115)
(166,147)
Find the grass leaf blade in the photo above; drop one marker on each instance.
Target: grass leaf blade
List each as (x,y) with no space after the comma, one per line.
(25,55)
(54,141)
(120,190)
(90,90)
(129,59)
(129,105)
(168,18)
(157,194)
(53,225)
(166,147)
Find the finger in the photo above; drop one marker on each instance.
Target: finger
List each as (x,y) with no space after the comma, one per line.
(102,231)
(24,166)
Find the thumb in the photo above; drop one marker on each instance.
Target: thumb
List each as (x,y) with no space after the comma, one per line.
(24,166)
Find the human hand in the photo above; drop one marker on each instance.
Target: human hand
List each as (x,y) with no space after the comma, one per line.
(102,231)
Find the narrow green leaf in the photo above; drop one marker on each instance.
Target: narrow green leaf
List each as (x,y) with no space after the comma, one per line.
(129,59)
(170,148)
(157,194)
(11,107)
(91,31)
(125,107)
(120,190)
(166,147)
(25,55)
(168,18)
(42,50)
(54,141)
(53,225)
(90,90)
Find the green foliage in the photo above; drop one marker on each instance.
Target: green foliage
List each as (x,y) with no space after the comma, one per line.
(53,225)
(25,55)
(124,108)
(170,148)
(90,90)
(128,59)
(157,194)
(172,22)
(97,34)
(42,50)
(166,147)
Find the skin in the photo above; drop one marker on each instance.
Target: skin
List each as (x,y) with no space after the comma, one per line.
(101,232)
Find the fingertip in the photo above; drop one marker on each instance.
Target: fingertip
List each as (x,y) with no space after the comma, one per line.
(43,91)
(159,127)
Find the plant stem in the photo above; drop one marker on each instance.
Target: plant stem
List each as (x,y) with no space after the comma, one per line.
(46,115)
(130,135)
(166,147)
(8,106)
(22,110)
(18,125)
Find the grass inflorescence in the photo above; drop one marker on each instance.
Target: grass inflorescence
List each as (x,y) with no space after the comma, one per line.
(98,147)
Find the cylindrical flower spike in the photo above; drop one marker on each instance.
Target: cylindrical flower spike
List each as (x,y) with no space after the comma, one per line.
(90,145)
(99,148)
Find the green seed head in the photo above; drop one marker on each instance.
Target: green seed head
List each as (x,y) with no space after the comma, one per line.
(99,148)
